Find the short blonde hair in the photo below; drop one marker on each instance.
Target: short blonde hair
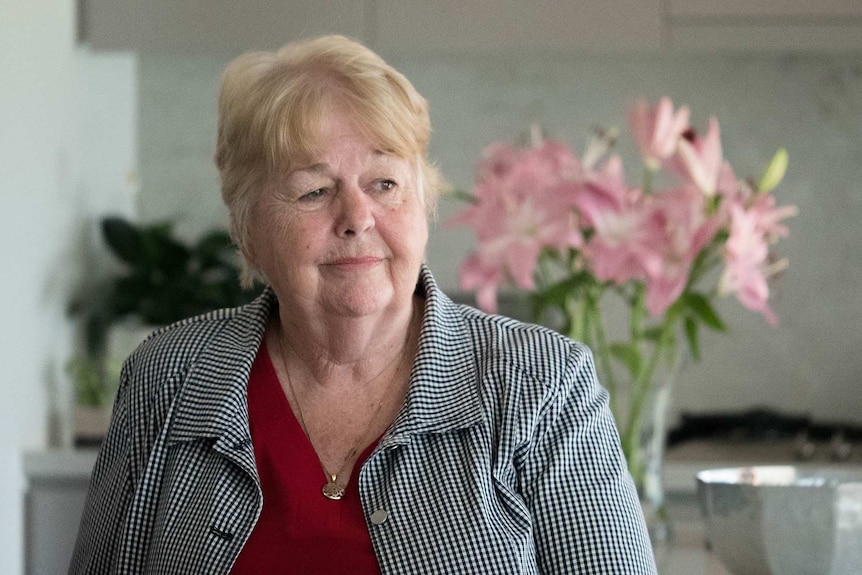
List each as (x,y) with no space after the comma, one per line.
(270,107)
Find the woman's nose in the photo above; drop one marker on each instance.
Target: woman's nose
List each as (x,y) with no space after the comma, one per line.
(355,212)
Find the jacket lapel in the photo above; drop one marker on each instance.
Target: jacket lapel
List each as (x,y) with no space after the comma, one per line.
(213,398)
(444,385)
(443,394)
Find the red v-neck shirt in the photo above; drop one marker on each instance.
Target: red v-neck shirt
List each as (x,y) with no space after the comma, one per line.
(299,530)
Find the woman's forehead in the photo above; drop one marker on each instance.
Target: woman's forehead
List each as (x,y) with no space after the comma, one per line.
(325,163)
(336,133)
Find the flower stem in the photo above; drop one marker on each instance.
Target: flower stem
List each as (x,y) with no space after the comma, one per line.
(638,314)
(640,390)
(601,347)
(647,181)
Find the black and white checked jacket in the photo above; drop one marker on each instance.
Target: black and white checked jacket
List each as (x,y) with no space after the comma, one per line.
(504,458)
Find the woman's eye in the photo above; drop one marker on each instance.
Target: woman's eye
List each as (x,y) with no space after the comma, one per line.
(386,185)
(314,195)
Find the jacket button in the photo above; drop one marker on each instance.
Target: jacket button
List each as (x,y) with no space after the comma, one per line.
(379,516)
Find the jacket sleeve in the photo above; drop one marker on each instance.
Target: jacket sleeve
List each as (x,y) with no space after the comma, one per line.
(108,497)
(586,514)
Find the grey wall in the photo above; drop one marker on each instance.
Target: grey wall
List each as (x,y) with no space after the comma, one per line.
(811,104)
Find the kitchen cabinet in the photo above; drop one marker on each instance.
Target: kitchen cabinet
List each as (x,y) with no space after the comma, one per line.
(221,28)
(224,28)
(57,482)
(764,25)
(513,26)
(776,9)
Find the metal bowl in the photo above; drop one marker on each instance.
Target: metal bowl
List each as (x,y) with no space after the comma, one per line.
(783,520)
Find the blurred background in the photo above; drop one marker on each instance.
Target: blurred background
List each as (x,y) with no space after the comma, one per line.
(109,107)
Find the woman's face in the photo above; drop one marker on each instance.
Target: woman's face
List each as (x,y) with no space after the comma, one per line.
(344,233)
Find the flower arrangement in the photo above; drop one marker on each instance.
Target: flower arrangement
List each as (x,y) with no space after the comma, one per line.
(570,230)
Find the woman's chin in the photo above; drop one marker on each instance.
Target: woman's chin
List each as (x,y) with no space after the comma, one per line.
(358,301)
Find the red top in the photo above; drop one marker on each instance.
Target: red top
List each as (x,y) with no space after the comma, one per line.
(299,530)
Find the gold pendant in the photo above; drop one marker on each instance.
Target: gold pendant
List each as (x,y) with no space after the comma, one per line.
(332,490)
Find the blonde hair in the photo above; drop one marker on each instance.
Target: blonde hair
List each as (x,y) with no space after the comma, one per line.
(270,107)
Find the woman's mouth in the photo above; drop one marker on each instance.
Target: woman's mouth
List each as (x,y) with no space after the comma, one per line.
(355,261)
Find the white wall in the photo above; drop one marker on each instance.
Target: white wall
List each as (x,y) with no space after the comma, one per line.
(67,154)
(37,68)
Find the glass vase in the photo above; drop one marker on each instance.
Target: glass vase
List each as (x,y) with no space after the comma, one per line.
(647,462)
(645,448)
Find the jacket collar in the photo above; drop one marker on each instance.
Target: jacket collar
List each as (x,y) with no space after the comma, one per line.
(443,393)
(213,402)
(444,385)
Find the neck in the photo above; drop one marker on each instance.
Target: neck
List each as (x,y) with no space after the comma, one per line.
(347,349)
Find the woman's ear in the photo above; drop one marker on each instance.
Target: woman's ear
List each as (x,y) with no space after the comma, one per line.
(241,240)
(249,271)
(245,248)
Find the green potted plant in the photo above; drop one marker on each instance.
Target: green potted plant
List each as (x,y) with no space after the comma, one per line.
(161,279)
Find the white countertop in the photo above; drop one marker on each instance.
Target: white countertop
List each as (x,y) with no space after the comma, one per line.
(59,464)
(683,462)
(686,554)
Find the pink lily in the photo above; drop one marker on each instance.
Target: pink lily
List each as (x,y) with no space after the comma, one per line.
(626,232)
(700,159)
(484,280)
(745,254)
(657,129)
(623,247)
(769,217)
(687,231)
(747,249)
(523,205)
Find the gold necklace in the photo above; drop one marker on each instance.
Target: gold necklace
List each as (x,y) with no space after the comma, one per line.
(331,489)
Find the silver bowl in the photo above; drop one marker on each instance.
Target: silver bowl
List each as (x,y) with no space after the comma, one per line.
(783,520)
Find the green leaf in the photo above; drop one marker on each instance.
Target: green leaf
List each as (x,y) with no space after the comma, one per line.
(463,196)
(692,335)
(703,311)
(123,239)
(676,310)
(214,245)
(538,307)
(629,355)
(559,296)
(653,333)
(164,253)
(556,294)
(164,278)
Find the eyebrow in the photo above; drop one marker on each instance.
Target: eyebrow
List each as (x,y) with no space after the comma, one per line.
(323,166)
(314,168)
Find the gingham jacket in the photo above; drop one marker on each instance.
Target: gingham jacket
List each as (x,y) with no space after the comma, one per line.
(504,458)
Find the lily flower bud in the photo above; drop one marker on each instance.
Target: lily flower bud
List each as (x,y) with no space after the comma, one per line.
(774,172)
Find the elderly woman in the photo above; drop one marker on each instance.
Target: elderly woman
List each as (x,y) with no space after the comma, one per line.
(353,418)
